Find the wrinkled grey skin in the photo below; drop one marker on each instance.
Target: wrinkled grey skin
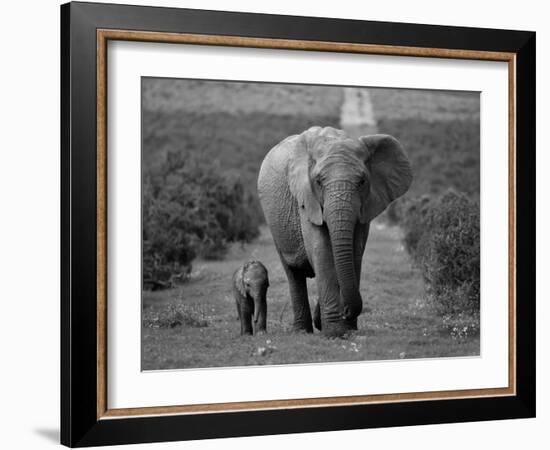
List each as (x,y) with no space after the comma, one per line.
(250,284)
(319,191)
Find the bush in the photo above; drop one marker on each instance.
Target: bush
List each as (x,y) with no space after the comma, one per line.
(442,235)
(238,141)
(190,208)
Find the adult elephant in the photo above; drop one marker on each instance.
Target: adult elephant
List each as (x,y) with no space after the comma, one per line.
(319,191)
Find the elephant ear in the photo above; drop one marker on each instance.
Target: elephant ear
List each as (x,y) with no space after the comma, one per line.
(390,173)
(239,282)
(299,181)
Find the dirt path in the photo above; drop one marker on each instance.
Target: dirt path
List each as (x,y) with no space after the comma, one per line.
(357,113)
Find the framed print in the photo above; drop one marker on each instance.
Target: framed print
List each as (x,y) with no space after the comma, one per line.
(277,224)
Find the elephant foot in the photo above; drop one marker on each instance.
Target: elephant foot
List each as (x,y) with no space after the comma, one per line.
(261,331)
(352,324)
(301,327)
(340,329)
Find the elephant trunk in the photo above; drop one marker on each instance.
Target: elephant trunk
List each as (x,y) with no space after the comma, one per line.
(341,217)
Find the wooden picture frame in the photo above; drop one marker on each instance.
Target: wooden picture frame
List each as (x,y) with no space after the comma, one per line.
(86,418)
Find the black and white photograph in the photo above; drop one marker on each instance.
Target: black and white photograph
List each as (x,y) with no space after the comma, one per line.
(299,224)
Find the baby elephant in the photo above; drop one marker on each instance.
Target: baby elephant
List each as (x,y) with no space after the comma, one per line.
(250,285)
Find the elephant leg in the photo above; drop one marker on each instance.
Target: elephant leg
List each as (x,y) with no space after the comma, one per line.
(317,317)
(361,235)
(298,296)
(330,315)
(245,313)
(260,325)
(358,263)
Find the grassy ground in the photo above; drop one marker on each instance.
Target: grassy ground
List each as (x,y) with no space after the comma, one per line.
(206,97)
(196,324)
(428,105)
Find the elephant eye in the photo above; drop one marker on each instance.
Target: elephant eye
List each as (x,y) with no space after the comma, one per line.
(318,181)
